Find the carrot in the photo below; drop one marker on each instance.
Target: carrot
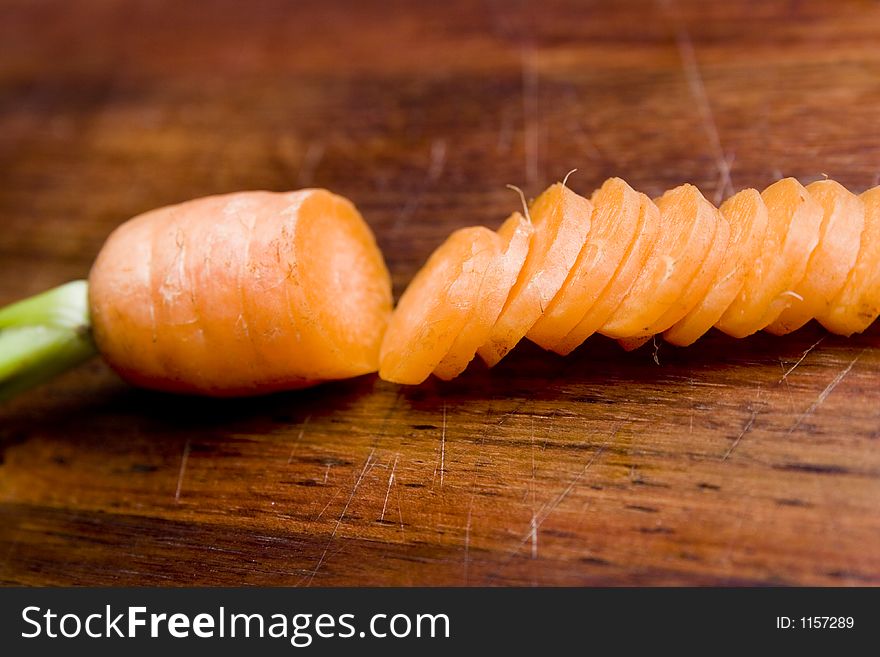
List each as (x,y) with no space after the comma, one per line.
(631,268)
(648,217)
(561,221)
(500,276)
(695,290)
(238,294)
(438,305)
(254,292)
(857,304)
(610,235)
(747,217)
(832,259)
(688,227)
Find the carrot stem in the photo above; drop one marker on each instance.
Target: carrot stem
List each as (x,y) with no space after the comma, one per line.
(42,336)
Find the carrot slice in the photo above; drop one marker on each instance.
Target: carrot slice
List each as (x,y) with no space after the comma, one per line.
(437,305)
(857,304)
(792,234)
(613,228)
(831,260)
(515,234)
(648,217)
(688,227)
(747,216)
(561,220)
(699,285)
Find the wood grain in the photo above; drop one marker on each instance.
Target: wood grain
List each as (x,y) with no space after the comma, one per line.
(730,462)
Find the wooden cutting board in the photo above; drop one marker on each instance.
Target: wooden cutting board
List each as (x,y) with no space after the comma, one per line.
(732,462)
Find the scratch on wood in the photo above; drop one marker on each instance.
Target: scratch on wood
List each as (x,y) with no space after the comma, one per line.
(473,495)
(801,359)
(183,459)
(505,131)
(551,506)
(341,516)
(436,164)
(824,394)
(742,433)
(698,91)
(400,513)
(326,506)
(299,437)
(311,159)
(534,526)
(467,546)
(438,160)
(530,112)
(442,463)
(548,508)
(390,481)
(510,413)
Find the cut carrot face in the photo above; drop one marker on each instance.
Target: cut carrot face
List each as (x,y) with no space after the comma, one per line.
(561,220)
(793,220)
(746,215)
(241,294)
(632,262)
(857,304)
(613,229)
(437,305)
(515,235)
(831,260)
(661,290)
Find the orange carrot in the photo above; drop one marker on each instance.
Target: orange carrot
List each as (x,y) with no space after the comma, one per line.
(747,216)
(832,259)
(561,220)
(257,291)
(631,264)
(688,226)
(624,266)
(857,304)
(437,305)
(241,294)
(611,233)
(500,276)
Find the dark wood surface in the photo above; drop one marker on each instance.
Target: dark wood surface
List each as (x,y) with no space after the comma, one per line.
(731,462)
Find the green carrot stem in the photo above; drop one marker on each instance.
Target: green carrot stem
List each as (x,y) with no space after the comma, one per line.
(42,336)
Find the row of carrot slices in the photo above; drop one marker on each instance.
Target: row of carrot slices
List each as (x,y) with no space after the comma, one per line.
(630,268)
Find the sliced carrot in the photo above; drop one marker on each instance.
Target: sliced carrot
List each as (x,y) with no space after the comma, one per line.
(831,260)
(747,216)
(613,229)
(857,304)
(792,234)
(688,227)
(561,220)
(632,262)
(241,294)
(515,234)
(699,285)
(437,305)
